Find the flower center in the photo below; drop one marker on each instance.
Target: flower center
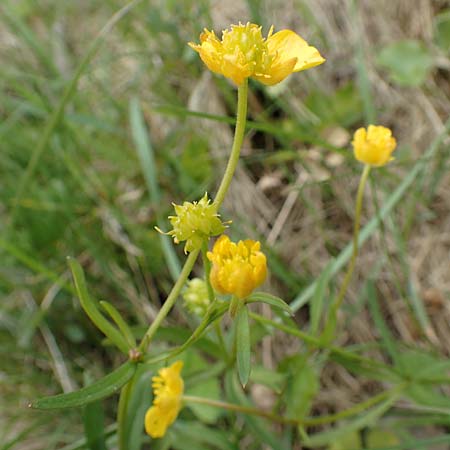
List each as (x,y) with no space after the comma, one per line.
(244,44)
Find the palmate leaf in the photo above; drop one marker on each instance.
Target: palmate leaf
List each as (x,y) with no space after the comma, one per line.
(102,388)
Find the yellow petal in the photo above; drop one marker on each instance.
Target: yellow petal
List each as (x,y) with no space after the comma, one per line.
(155,423)
(277,73)
(288,45)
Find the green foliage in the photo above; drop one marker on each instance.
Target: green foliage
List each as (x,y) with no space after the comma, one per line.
(442,30)
(95,144)
(106,386)
(408,62)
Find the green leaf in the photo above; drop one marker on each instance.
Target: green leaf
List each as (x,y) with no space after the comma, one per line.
(350,441)
(367,419)
(269,378)
(102,388)
(270,300)
(117,318)
(198,436)
(442,30)
(243,345)
(302,387)
(90,308)
(139,401)
(408,62)
(386,336)
(258,427)
(94,426)
(209,389)
(317,303)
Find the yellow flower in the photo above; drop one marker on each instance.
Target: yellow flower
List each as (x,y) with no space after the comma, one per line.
(196,298)
(237,268)
(195,222)
(168,390)
(374,146)
(244,53)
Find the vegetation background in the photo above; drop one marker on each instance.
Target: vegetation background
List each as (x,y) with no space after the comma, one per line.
(83,183)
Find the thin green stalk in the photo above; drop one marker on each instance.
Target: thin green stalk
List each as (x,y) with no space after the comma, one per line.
(207,269)
(308,421)
(223,188)
(170,301)
(241,120)
(239,408)
(122,411)
(316,342)
(356,227)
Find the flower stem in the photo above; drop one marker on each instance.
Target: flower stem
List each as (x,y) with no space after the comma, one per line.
(241,120)
(223,188)
(207,269)
(239,408)
(356,226)
(309,421)
(170,301)
(122,413)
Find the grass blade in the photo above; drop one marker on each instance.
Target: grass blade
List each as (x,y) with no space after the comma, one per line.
(146,156)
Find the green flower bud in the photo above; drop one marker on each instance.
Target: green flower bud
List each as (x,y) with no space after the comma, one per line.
(194,222)
(195,297)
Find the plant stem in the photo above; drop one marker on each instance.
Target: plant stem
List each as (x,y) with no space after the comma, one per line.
(239,408)
(122,411)
(241,120)
(356,227)
(309,421)
(207,269)
(223,188)
(171,299)
(314,341)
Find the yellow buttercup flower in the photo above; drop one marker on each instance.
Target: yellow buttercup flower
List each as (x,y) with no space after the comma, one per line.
(237,268)
(244,53)
(195,222)
(168,387)
(374,146)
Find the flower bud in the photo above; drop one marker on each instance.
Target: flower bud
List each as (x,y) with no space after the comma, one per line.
(194,222)
(374,146)
(237,268)
(195,297)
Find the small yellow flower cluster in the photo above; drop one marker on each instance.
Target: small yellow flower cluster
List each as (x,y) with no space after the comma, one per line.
(195,297)
(244,53)
(168,388)
(237,268)
(195,222)
(374,146)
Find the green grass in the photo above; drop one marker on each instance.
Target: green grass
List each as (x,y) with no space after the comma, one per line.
(99,133)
